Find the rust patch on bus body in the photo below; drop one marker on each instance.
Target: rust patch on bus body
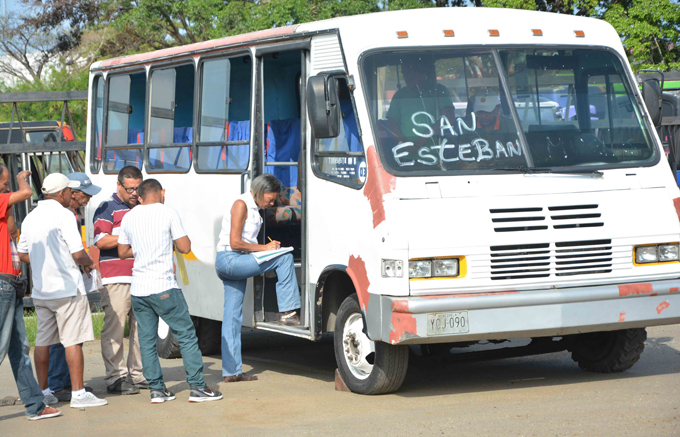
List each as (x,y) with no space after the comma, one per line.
(400,306)
(622,317)
(662,306)
(378,183)
(356,269)
(632,289)
(673,290)
(402,325)
(200,46)
(676,204)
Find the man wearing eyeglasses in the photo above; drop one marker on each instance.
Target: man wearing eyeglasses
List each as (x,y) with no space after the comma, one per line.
(116,278)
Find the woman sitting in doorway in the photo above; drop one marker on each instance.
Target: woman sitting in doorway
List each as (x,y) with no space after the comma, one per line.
(235,264)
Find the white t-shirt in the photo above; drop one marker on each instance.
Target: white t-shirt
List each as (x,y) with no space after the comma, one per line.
(150,230)
(251,228)
(49,237)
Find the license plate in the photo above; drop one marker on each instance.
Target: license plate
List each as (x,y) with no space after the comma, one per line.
(454,322)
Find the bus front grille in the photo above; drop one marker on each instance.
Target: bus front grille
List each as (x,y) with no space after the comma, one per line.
(568,258)
(540,218)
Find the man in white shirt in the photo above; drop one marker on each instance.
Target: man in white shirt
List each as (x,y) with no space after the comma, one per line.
(147,234)
(54,247)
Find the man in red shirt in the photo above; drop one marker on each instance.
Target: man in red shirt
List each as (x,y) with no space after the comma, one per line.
(13,340)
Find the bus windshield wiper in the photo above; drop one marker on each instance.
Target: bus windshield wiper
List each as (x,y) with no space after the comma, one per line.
(537,170)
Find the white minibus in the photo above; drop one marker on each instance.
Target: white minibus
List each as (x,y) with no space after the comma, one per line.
(451,175)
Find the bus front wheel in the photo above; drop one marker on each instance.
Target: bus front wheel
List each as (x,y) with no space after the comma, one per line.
(367,367)
(608,352)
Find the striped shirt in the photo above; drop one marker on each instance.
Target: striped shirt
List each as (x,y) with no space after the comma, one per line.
(150,230)
(107,219)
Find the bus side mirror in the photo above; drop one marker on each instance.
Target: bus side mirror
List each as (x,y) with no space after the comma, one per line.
(323,107)
(652,94)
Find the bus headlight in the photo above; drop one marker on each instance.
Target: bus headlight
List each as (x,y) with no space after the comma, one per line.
(392,268)
(659,253)
(420,269)
(434,268)
(445,267)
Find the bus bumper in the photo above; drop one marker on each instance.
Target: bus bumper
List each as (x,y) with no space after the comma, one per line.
(536,313)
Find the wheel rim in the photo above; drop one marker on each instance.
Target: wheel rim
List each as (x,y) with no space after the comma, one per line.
(163,329)
(358,350)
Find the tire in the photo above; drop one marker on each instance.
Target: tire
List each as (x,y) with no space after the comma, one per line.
(209,333)
(367,367)
(166,344)
(608,352)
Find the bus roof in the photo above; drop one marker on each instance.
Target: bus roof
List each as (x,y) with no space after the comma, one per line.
(424,26)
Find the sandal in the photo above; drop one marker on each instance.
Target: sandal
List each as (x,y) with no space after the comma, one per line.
(240,377)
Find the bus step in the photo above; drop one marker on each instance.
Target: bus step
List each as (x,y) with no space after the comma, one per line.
(297,331)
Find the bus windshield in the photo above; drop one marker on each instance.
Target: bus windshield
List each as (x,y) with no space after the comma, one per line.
(470,111)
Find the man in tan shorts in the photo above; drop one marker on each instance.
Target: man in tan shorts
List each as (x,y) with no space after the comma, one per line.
(54,248)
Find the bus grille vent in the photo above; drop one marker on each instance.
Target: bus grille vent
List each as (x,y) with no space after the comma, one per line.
(537,219)
(569,258)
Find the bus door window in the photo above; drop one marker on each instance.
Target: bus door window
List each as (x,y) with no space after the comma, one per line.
(172,110)
(341,159)
(224,138)
(98,125)
(125,126)
(281,91)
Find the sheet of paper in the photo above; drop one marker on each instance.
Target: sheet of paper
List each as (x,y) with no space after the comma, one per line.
(266,255)
(93,282)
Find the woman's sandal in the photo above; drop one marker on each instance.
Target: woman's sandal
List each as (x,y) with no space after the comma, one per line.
(240,377)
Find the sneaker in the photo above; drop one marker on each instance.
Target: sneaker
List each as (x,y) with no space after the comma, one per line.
(46,413)
(64,395)
(50,399)
(160,396)
(142,385)
(204,394)
(89,400)
(122,387)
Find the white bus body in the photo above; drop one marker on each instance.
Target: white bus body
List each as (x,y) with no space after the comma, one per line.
(539,253)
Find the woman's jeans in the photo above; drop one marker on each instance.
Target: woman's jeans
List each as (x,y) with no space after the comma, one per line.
(13,342)
(234,269)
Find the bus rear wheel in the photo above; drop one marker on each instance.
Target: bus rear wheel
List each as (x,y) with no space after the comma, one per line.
(367,367)
(166,343)
(608,352)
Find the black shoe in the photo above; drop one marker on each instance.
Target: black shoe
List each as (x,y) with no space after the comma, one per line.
(160,396)
(204,394)
(121,387)
(289,318)
(144,385)
(64,395)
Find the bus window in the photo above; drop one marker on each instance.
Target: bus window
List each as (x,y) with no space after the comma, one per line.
(224,136)
(341,159)
(125,126)
(172,111)
(576,109)
(98,108)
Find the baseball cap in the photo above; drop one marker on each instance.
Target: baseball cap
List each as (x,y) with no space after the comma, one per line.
(56,182)
(86,185)
(487,101)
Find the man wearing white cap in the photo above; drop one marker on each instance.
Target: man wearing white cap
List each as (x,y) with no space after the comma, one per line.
(52,245)
(59,380)
(487,108)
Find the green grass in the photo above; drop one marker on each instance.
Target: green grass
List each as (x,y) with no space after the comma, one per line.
(31,322)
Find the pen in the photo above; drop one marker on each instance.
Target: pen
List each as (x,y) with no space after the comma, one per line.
(270,239)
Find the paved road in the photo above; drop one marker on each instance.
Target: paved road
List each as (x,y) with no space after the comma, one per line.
(540,395)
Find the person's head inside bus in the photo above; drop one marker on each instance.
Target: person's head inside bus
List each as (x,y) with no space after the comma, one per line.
(487,108)
(421,103)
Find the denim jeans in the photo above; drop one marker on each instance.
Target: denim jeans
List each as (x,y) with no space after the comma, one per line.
(58,377)
(234,269)
(172,308)
(13,343)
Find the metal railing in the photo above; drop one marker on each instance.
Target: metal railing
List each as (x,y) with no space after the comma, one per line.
(669,133)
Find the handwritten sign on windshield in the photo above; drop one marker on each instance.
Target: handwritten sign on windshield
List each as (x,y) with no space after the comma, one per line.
(479,149)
